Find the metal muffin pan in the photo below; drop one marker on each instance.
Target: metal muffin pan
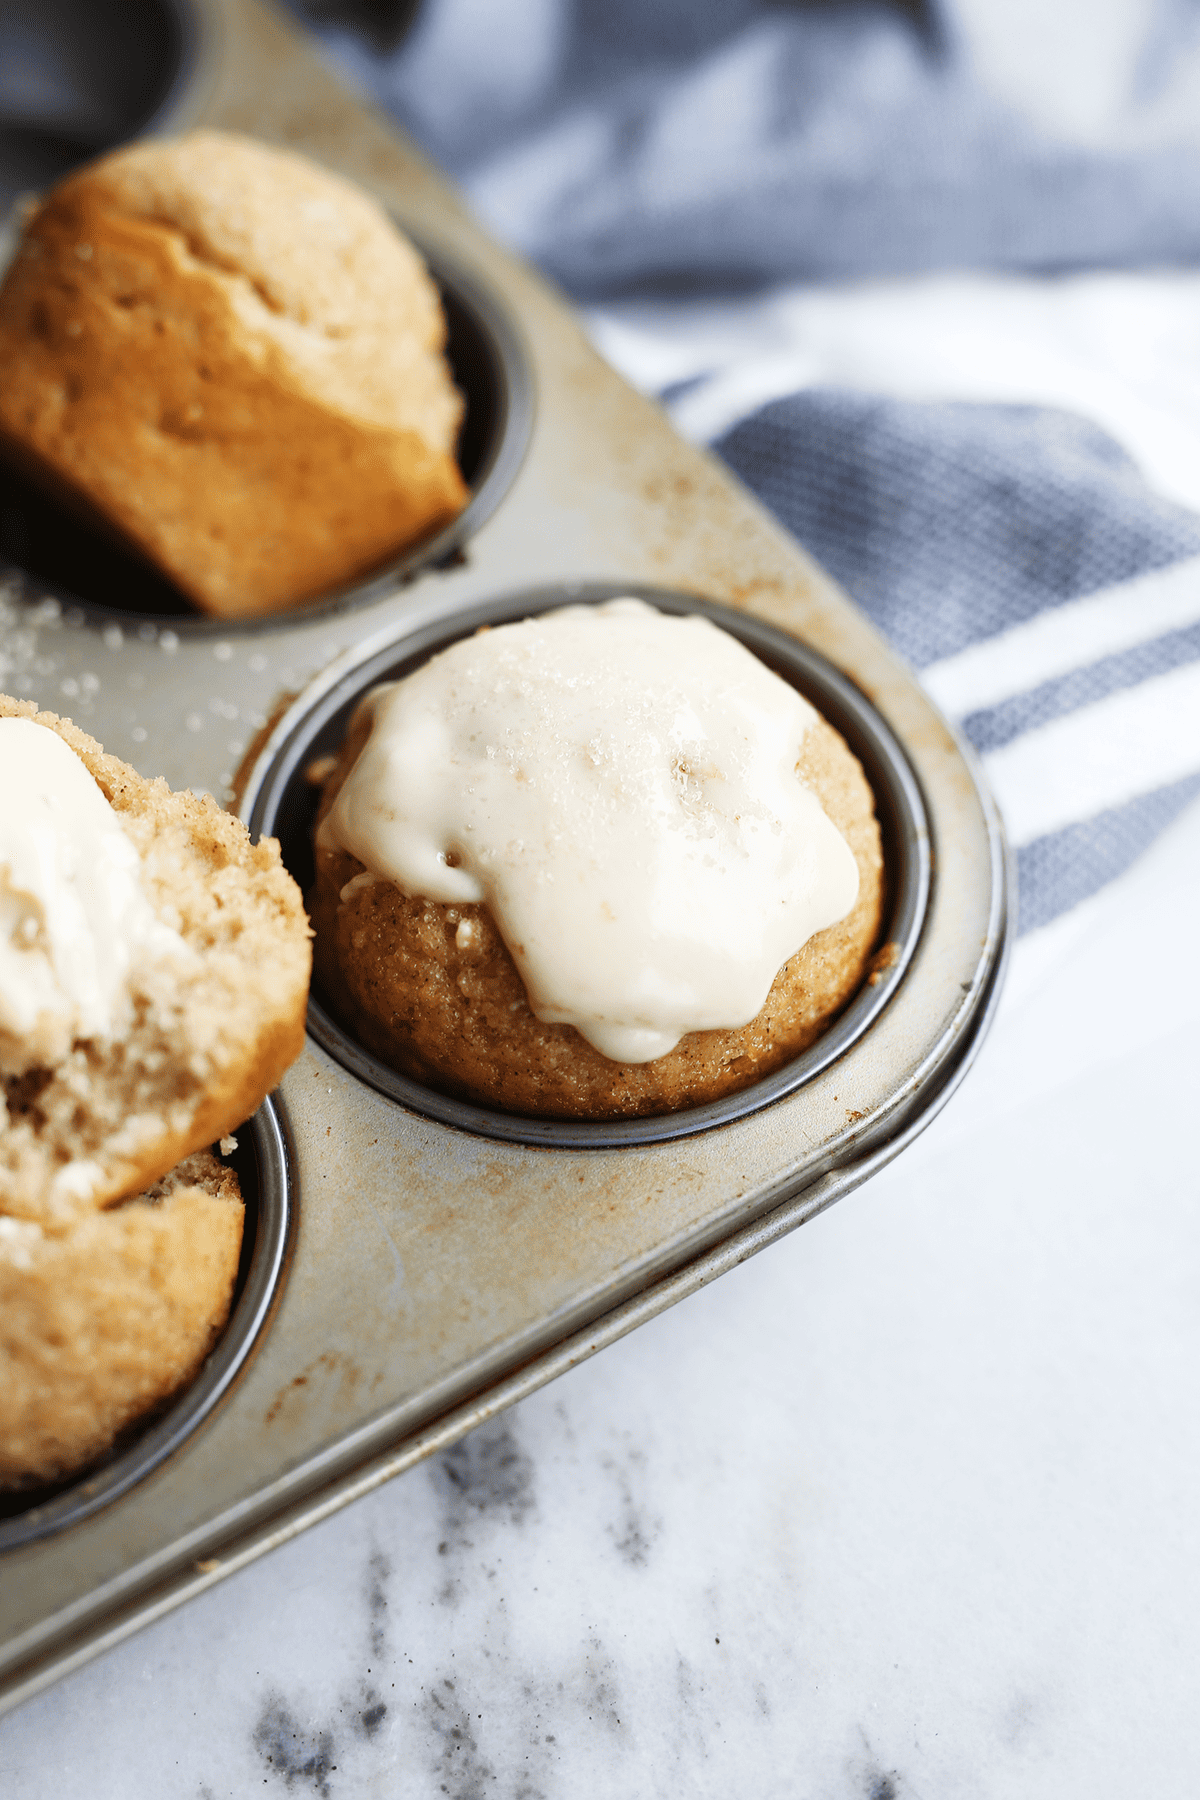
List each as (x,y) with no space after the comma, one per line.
(285,807)
(481,1265)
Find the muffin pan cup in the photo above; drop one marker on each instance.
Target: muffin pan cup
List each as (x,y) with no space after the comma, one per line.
(77,82)
(439,1267)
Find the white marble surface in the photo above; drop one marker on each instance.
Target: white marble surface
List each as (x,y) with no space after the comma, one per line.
(904,1507)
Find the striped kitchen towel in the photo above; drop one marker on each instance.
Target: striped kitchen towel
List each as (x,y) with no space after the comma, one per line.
(1049,598)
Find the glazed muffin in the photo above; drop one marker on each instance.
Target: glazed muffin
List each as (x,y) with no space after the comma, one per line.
(448,990)
(232,362)
(206,1013)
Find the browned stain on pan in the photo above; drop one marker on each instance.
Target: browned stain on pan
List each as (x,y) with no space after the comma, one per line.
(333,1375)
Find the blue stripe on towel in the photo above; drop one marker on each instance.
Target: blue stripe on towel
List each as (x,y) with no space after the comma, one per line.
(1055,873)
(994,726)
(951,522)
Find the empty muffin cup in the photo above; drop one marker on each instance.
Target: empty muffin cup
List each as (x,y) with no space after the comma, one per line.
(80,77)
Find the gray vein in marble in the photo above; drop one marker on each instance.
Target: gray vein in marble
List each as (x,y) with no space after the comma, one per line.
(635,1532)
(300,1756)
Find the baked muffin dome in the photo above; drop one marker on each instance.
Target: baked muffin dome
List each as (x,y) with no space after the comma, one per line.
(231,360)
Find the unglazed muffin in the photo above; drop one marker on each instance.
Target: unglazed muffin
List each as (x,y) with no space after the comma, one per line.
(432,987)
(231,361)
(105,1318)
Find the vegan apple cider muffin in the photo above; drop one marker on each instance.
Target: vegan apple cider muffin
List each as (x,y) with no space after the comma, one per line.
(230,360)
(597,864)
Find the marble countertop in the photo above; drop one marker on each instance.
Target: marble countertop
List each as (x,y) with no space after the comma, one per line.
(903,1507)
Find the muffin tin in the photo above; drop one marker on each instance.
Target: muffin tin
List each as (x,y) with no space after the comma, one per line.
(483,1254)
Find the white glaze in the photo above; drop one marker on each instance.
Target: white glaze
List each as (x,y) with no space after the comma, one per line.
(619,786)
(73,917)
